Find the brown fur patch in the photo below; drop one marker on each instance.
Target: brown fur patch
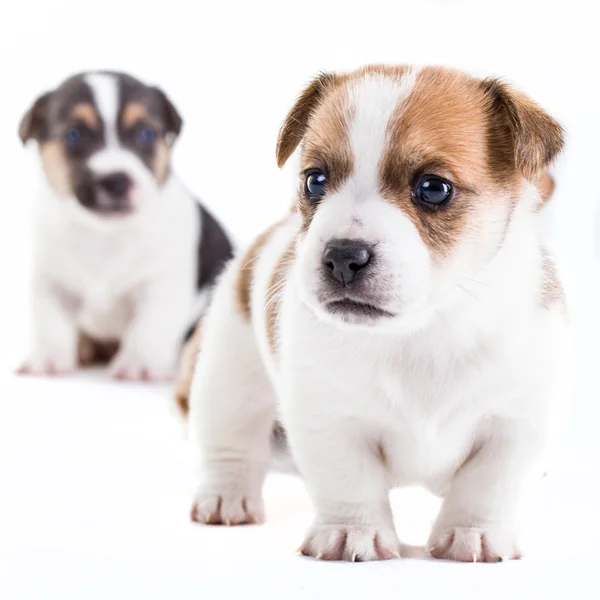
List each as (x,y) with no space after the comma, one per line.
(520,130)
(187,366)
(56,166)
(273,297)
(326,147)
(133,113)
(160,164)
(440,129)
(296,122)
(481,136)
(246,272)
(86,113)
(546,186)
(552,291)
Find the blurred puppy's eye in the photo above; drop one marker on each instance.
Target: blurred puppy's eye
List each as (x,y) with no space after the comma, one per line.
(145,135)
(432,191)
(73,136)
(315,184)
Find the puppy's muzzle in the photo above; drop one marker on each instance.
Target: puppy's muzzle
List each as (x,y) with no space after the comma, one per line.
(106,194)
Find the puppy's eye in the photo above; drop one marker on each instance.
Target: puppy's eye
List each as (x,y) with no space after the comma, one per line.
(432,191)
(145,135)
(315,184)
(73,136)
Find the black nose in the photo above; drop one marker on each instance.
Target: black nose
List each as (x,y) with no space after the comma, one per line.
(343,259)
(115,184)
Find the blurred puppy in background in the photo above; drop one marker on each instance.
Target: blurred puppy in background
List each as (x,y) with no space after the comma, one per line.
(124,255)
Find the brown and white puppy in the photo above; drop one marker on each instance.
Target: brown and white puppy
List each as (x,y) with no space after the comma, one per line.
(404,324)
(124,254)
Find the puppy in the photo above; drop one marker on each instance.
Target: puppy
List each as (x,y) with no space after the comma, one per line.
(124,255)
(403,325)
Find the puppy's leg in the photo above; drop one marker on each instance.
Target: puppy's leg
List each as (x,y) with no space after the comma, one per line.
(345,475)
(477,519)
(54,349)
(232,412)
(151,343)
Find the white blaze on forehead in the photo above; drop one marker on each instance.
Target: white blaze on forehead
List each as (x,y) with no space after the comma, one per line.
(105,90)
(374,100)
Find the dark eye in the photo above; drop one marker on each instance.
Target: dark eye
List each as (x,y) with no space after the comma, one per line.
(433,191)
(72,136)
(315,183)
(145,135)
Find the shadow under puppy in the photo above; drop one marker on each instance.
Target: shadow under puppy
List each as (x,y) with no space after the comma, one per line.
(124,255)
(403,325)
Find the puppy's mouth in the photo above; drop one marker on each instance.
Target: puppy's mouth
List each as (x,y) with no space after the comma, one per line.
(356,310)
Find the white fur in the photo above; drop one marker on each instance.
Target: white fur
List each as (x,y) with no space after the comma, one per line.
(105,90)
(461,392)
(130,279)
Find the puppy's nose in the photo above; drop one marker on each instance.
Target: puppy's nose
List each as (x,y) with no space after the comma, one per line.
(343,259)
(115,184)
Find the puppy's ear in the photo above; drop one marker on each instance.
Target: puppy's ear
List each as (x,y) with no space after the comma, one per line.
(172,119)
(294,127)
(33,123)
(523,129)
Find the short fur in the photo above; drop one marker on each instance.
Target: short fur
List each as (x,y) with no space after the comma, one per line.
(443,362)
(124,255)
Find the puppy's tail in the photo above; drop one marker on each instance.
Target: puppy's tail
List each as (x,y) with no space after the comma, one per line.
(187,364)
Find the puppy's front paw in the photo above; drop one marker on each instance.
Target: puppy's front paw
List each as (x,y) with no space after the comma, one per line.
(230,507)
(46,365)
(130,366)
(474,544)
(351,542)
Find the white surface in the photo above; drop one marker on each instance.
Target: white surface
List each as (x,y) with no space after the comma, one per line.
(96,492)
(94,477)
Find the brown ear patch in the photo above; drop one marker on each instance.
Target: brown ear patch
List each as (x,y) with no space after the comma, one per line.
(296,123)
(86,113)
(521,129)
(33,123)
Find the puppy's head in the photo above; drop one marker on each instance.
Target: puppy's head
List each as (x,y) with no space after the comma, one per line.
(104,140)
(408,182)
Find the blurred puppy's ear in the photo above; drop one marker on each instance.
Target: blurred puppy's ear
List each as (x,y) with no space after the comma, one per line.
(171,117)
(522,129)
(33,123)
(294,127)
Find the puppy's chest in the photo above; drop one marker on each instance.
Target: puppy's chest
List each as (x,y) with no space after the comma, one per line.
(100,273)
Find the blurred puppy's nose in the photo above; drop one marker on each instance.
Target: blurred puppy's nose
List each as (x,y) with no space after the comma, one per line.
(115,184)
(343,259)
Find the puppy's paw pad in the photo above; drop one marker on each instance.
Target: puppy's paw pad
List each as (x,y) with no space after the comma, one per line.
(472,544)
(227,509)
(351,543)
(45,367)
(127,368)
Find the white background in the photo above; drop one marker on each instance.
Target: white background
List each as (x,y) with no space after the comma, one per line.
(94,477)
